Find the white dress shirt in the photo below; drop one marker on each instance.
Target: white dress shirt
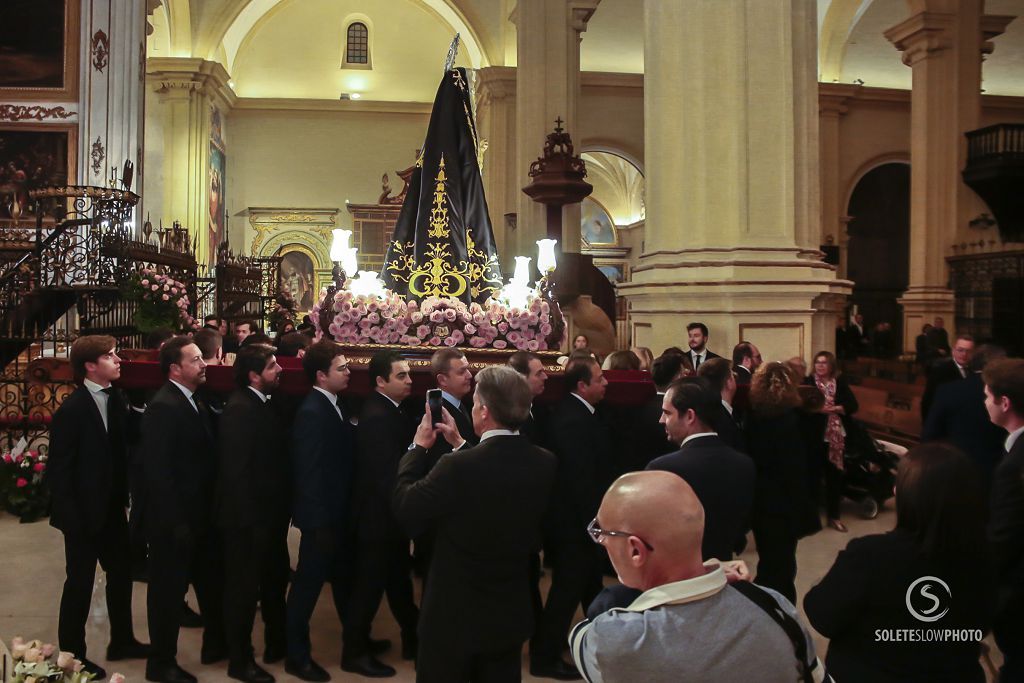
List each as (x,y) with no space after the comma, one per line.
(584,402)
(101,399)
(263,397)
(498,432)
(188,394)
(691,437)
(1012,438)
(333,398)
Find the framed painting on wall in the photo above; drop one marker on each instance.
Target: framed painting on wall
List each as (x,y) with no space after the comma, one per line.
(298,277)
(596,225)
(39,49)
(33,156)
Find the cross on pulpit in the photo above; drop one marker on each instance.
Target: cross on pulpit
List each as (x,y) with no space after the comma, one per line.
(558,124)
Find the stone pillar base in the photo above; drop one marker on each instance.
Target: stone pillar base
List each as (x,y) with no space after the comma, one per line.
(784,300)
(921,304)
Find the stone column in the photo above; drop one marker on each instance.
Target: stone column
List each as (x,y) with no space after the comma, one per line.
(112,97)
(187,90)
(731,132)
(547,87)
(832,105)
(496,121)
(943,46)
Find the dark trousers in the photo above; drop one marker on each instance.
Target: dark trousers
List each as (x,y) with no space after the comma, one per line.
(833,488)
(1009,636)
(535,600)
(318,563)
(174,561)
(380,567)
(256,570)
(575,581)
(449,663)
(109,546)
(776,554)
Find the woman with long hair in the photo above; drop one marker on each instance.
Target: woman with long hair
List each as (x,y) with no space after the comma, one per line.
(783,511)
(831,423)
(932,572)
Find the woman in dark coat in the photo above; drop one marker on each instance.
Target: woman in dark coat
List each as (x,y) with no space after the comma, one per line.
(783,511)
(829,427)
(863,605)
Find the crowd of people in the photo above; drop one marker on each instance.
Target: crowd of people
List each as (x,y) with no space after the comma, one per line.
(486,486)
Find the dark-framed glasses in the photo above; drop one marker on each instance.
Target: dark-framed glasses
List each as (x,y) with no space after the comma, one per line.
(596,532)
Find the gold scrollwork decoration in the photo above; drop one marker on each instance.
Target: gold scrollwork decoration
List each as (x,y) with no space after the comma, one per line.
(402,260)
(17,112)
(438,277)
(439,211)
(483,269)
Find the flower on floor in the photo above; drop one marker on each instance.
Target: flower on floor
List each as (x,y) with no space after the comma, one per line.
(23,489)
(34,662)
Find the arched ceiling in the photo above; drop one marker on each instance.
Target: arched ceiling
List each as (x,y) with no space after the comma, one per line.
(618,186)
(291,48)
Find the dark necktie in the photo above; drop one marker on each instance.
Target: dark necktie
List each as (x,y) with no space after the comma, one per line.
(465,411)
(696,361)
(341,409)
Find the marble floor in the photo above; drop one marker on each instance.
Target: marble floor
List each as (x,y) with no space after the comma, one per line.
(32,573)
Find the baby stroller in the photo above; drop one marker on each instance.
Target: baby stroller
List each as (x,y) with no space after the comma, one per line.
(870,471)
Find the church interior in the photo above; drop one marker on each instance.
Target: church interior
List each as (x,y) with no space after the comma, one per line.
(781,171)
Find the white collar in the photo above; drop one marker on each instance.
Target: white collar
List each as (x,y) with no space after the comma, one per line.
(95,388)
(584,402)
(498,432)
(696,436)
(681,592)
(387,397)
(727,406)
(700,353)
(333,398)
(451,399)
(1012,438)
(263,397)
(185,390)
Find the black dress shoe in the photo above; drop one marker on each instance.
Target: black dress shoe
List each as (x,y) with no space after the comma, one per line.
(98,674)
(557,669)
(307,671)
(249,672)
(368,666)
(130,649)
(169,674)
(211,654)
(378,647)
(189,617)
(272,654)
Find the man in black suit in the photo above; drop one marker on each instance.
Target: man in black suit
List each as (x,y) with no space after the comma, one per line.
(582,443)
(938,340)
(726,421)
(697,334)
(88,479)
(179,463)
(486,504)
(1004,399)
(649,435)
(531,367)
(722,477)
(958,415)
(951,370)
(323,463)
(382,547)
(746,359)
(254,513)
(450,370)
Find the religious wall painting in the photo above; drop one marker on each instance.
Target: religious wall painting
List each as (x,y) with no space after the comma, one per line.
(616,272)
(298,277)
(596,225)
(38,49)
(217,228)
(32,157)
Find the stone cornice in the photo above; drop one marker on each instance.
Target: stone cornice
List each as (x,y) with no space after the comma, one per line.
(992,25)
(294,104)
(170,74)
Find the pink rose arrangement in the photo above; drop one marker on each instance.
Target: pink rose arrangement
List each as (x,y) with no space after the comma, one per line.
(162,301)
(437,321)
(22,490)
(35,662)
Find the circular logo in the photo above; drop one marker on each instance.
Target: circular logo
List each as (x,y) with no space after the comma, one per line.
(928,598)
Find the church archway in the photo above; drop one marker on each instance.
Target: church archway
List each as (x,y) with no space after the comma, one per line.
(878,258)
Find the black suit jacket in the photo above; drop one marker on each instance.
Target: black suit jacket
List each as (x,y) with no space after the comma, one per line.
(582,444)
(730,429)
(723,480)
(941,373)
(534,427)
(179,462)
(647,437)
(254,466)
(1006,532)
(743,375)
(323,462)
(87,464)
(486,505)
(383,437)
(958,415)
(866,590)
(464,424)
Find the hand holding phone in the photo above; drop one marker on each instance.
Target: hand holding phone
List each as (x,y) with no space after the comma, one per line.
(434,400)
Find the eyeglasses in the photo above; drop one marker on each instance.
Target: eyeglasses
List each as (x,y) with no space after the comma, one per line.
(597,532)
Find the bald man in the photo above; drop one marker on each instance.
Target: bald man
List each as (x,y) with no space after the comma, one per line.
(688,624)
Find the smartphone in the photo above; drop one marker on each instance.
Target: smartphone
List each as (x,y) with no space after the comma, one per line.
(434,401)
